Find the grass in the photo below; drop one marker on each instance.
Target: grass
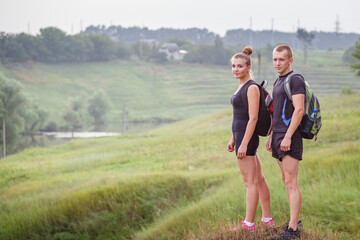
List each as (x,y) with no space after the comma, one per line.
(178,182)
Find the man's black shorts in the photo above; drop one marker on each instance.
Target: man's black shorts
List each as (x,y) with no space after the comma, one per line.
(296,147)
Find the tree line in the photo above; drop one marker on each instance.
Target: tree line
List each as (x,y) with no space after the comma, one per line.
(256,39)
(98,43)
(135,34)
(54,46)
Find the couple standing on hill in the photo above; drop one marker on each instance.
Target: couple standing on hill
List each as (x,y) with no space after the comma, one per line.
(285,141)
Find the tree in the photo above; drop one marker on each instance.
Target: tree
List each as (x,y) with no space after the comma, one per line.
(34,116)
(348,55)
(73,119)
(123,51)
(11,99)
(79,48)
(11,49)
(356,65)
(306,38)
(98,107)
(32,45)
(201,53)
(104,48)
(55,42)
(159,57)
(142,49)
(74,115)
(219,57)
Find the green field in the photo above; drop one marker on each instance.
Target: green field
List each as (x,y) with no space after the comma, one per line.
(178,182)
(163,93)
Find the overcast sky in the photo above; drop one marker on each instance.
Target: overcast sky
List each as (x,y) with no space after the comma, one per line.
(216,15)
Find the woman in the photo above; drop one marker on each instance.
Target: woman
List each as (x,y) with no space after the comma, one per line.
(245,142)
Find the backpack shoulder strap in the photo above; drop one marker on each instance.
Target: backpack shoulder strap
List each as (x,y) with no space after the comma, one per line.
(264,84)
(244,89)
(287,85)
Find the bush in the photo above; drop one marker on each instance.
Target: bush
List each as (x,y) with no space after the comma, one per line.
(347,91)
(50,127)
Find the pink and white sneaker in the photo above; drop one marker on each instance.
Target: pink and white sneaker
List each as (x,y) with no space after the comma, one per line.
(243,225)
(269,223)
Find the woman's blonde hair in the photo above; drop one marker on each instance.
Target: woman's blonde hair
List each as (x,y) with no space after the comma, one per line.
(245,54)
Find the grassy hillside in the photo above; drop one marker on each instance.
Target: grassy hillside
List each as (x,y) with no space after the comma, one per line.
(178,182)
(150,91)
(166,92)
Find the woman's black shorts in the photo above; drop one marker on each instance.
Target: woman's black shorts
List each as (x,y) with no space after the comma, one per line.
(252,146)
(296,147)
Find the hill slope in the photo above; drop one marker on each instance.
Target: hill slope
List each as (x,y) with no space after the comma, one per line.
(177,182)
(163,93)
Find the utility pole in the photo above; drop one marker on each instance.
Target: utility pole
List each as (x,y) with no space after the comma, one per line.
(298,41)
(81,26)
(141,46)
(4,139)
(259,71)
(124,121)
(250,35)
(337,25)
(298,25)
(337,31)
(272,32)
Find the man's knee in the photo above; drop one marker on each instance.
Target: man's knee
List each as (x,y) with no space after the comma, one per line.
(290,171)
(290,180)
(283,177)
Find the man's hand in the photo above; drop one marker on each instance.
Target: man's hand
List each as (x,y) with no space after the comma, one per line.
(285,144)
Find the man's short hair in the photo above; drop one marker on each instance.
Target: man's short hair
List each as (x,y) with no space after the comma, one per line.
(281,48)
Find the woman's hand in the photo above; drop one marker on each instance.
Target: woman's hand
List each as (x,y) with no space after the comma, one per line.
(241,152)
(231,145)
(268,143)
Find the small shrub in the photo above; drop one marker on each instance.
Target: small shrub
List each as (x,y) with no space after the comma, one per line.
(347,91)
(50,127)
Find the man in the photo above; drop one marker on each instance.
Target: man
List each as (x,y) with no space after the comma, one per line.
(285,141)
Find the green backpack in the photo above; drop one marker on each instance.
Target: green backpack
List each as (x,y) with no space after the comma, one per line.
(311,122)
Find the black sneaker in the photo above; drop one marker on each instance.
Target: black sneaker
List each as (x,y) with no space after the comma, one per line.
(286,225)
(288,234)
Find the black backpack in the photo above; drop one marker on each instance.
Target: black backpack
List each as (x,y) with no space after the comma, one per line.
(264,123)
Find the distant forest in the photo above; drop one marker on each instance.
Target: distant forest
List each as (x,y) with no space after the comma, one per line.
(257,39)
(98,43)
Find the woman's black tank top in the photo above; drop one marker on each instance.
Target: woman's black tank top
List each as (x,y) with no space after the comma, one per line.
(240,108)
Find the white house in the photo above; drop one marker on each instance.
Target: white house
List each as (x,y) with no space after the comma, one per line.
(172,51)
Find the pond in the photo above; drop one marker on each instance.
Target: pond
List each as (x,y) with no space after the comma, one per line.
(48,139)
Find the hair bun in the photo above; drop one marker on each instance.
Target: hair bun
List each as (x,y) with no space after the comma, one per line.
(247,50)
